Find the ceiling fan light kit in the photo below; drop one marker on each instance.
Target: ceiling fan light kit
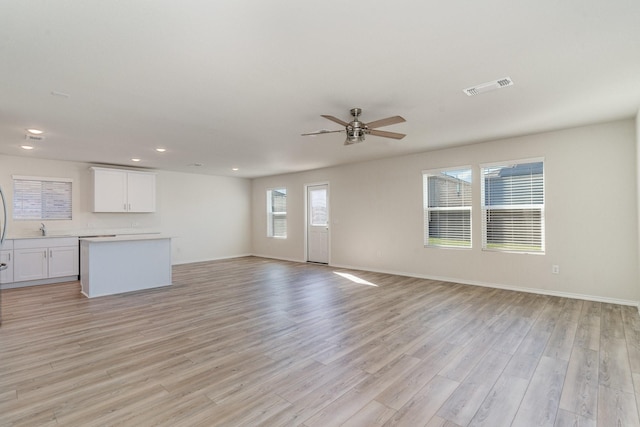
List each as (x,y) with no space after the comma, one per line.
(356,130)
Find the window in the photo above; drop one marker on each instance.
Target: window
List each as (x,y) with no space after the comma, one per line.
(513,206)
(318,207)
(277,212)
(36,198)
(447,207)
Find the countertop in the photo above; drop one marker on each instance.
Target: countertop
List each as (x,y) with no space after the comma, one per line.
(125,238)
(82,234)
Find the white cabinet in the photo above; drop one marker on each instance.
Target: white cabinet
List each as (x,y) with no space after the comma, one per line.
(6,275)
(30,264)
(6,257)
(36,259)
(118,190)
(63,261)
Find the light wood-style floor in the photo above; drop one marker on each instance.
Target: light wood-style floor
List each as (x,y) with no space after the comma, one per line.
(256,342)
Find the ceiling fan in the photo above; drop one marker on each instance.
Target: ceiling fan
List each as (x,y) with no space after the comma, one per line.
(356,130)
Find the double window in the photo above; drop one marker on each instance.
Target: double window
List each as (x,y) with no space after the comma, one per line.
(447,207)
(512,207)
(277,212)
(38,198)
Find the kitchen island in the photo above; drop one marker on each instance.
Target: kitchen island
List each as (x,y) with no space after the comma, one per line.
(124,263)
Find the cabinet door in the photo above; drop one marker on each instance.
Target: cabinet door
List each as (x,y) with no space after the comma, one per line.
(109,190)
(6,257)
(29,264)
(141,192)
(63,261)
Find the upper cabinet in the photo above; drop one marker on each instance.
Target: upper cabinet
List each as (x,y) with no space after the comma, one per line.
(118,190)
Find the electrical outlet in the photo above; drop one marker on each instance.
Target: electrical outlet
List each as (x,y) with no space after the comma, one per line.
(555,269)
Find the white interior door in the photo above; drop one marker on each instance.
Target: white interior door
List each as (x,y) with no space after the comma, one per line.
(318,223)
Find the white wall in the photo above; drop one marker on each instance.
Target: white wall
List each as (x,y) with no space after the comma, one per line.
(638,189)
(376,215)
(208,215)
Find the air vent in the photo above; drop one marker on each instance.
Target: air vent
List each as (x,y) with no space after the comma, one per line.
(30,137)
(489,86)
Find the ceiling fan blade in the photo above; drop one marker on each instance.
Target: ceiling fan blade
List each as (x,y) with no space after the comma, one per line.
(335,119)
(386,122)
(386,134)
(320,132)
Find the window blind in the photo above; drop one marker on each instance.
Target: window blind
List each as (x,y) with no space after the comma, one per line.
(277,212)
(447,208)
(42,198)
(513,207)
(318,208)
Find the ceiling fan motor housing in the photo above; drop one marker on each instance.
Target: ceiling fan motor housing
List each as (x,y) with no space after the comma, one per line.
(356,130)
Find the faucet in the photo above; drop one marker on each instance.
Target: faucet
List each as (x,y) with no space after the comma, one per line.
(43,228)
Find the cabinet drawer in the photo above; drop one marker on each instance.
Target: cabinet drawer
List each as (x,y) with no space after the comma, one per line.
(46,242)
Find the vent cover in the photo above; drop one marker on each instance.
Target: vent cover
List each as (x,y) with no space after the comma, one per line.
(30,137)
(489,86)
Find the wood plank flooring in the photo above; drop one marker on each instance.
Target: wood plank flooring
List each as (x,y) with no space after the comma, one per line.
(257,342)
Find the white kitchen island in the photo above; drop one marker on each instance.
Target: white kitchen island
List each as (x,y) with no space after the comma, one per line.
(114,265)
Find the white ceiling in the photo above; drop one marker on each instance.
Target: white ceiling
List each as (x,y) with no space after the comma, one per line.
(233,83)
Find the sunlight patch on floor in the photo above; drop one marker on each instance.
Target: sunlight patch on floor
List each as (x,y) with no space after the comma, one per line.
(355,279)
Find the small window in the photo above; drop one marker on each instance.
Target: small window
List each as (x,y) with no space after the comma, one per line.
(37,198)
(513,206)
(277,212)
(447,208)
(318,215)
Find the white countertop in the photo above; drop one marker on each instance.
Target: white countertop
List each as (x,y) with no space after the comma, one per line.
(81,234)
(125,238)
(49,236)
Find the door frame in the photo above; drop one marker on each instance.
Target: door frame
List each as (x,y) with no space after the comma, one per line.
(306,219)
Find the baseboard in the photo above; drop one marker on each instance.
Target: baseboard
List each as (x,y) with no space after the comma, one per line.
(538,291)
(51,281)
(278,258)
(211,259)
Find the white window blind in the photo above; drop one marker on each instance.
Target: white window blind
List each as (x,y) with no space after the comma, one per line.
(277,212)
(447,208)
(318,215)
(36,198)
(513,206)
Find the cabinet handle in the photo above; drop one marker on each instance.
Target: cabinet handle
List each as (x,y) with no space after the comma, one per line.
(9,256)
(45,253)
(125,206)
(129,206)
(50,253)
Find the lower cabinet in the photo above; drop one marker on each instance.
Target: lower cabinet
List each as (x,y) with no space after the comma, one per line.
(36,259)
(30,264)
(6,275)
(63,261)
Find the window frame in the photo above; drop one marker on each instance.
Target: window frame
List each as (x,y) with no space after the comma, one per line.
(524,208)
(46,194)
(273,215)
(426,209)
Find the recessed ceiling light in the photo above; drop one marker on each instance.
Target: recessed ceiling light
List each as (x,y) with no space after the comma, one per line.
(35,131)
(161,150)
(235,169)
(135,160)
(27,147)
